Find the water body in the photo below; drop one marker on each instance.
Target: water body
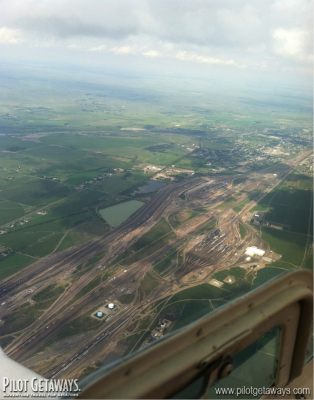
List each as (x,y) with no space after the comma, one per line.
(115,215)
(151,187)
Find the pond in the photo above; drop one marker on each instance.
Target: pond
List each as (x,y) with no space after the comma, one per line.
(119,213)
(151,187)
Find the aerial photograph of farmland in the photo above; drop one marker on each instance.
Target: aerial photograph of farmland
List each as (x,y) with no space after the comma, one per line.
(150,173)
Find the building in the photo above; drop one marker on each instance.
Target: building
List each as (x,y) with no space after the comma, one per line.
(254,251)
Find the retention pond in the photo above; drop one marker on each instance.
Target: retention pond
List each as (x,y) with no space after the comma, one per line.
(119,213)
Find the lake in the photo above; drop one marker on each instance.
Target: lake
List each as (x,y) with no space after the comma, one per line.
(151,187)
(119,213)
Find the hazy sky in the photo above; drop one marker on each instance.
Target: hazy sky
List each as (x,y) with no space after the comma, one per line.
(273,36)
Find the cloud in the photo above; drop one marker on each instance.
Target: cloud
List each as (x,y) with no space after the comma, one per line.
(238,33)
(152,53)
(73,46)
(99,48)
(123,49)
(10,36)
(184,56)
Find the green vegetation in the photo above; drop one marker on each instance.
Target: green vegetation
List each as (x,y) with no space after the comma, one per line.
(90,286)
(148,284)
(81,324)
(51,291)
(293,219)
(126,298)
(166,264)
(10,211)
(45,246)
(24,316)
(181,217)
(157,237)
(90,369)
(290,245)
(237,181)
(241,205)
(14,263)
(204,291)
(207,226)
(5,341)
(243,231)
(132,340)
(226,203)
(82,234)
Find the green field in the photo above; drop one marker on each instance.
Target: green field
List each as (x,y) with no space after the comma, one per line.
(148,284)
(14,263)
(241,205)
(226,203)
(126,298)
(158,236)
(243,231)
(166,264)
(290,245)
(181,217)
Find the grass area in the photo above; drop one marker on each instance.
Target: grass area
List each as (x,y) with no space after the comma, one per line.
(122,182)
(157,237)
(226,203)
(148,284)
(82,234)
(237,181)
(181,217)
(97,257)
(200,292)
(207,226)
(24,316)
(10,211)
(294,191)
(294,219)
(44,246)
(90,369)
(6,341)
(90,286)
(82,324)
(51,291)
(243,231)
(290,245)
(14,263)
(191,312)
(126,298)
(241,205)
(36,192)
(166,263)
(131,340)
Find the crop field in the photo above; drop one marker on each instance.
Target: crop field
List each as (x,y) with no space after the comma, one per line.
(10,211)
(36,192)
(13,263)
(290,245)
(295,219)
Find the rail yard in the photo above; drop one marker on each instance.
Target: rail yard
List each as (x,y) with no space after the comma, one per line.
(204,238)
